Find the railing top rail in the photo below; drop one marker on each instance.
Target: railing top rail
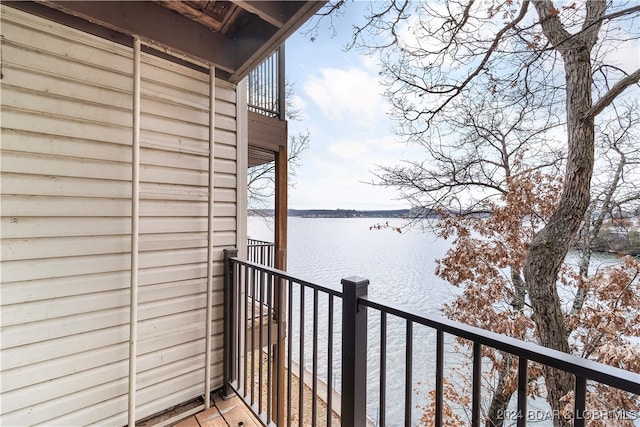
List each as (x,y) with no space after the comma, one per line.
(589,369)
(286,276)
(260,242)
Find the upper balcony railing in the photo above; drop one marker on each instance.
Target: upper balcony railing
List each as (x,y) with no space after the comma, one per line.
(283,334)
(266,86)
(261,252)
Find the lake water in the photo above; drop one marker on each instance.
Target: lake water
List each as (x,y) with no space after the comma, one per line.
(400,268)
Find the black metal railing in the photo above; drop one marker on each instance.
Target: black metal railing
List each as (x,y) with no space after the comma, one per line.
(261,252)
(266,86)
(291,343)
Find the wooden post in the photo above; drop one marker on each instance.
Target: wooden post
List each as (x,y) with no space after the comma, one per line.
(281,208)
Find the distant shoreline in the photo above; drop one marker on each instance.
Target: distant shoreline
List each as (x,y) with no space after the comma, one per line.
(336,213)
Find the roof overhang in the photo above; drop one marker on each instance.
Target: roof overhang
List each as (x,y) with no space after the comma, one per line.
(234,36)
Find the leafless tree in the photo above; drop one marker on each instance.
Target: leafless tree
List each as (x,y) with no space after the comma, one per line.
(439,56)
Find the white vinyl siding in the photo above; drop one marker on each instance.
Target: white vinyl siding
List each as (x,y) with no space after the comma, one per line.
(66,153)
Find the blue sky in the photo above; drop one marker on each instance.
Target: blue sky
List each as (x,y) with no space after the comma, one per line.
(340,98)
(339,95)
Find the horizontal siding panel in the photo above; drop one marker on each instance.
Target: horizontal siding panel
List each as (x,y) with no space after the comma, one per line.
(50,329)
(66,346)
(224,239)
(37,311)
(225,195)
(170,74)
(158,191)
(157,225)
(172,94)
(225,108)
(173,208)
(224,180)
(174,127)
(64,108)
(43,227)
(17,206)
(153,347)
(225,151)
(22,270)
(163,291)
(173,159)
(55,247)
(172,175)
(226,166)
(225,123)
(66,404)
(39,143)
(155,327)
(227,139)
(46,84)
(64,41)
(183,304)
(165,401)
(172,241)
(148,362)
(69,127)
(225,91)
(60,287)
(149,276)
(42,164)
(51,185)
(48,370)
(189,114)
(74,383)
(170,370)
(17,54)
(167,143)
(150,259)
(95,414)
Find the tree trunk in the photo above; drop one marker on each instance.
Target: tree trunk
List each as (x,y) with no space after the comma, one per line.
(551,244)
(500,399)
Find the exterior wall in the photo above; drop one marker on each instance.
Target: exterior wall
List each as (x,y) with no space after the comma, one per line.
(66,162)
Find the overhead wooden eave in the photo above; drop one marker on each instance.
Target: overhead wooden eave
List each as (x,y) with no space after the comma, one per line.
(234,36)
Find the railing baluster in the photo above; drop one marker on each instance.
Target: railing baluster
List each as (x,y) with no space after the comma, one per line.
(580,401)
(439,376)
(523,381)
(253,333)
(314,380)
(237,356)
(246,329)
(289,351)
(261,324)
(269,344)
(301,373)
(382,405)
(477,376)
(330,364)
(408,380)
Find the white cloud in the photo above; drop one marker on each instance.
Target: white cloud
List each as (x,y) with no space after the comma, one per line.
(352,94)
(349,151)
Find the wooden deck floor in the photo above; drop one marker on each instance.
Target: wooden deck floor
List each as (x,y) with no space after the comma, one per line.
(223,413)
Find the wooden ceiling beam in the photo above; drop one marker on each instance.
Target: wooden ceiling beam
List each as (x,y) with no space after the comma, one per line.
(158,26)
(271,11)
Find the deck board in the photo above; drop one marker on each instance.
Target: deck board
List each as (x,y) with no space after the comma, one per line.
(223,413)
